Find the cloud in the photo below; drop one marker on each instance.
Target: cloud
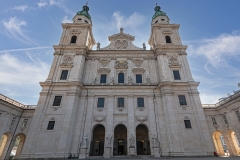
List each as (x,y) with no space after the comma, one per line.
(211,98)
(217,50)
(59,3)
(21,8)
(66,20)
(132,21)
(14,29)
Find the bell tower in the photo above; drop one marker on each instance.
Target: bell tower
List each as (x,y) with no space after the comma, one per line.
(178,90)
(60,95)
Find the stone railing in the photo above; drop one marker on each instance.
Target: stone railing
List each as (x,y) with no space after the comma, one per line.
(16,103)
(223,101)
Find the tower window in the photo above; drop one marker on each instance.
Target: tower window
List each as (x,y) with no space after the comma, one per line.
(156,21)
(100,103)
(237,114)
(168,39)
(214,120)
(163,19)
(176,75)
(64,75)
(182,100)
(120,102)
(120,78)
(187,124)
(50,125)
(138,78)
(57,100)
(103,78)
(79,19)
(86,21)
(140,102)
(73,39)
(225,119)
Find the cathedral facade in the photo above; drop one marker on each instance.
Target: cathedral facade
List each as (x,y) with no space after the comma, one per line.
(120,99)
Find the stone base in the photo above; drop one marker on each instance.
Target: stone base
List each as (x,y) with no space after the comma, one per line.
(129,83)
(132,151)
(83,153)
(156,152)
(107,153)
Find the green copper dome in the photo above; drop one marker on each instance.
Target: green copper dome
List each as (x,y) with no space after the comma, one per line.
(84,12)
(158,12)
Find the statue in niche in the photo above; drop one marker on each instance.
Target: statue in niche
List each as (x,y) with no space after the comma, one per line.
(108,139)
(129,79)
(84,141)
(148,80)
(112,79)
(144,46)
(94,80)
(155,141)
(131,139)
(98,46)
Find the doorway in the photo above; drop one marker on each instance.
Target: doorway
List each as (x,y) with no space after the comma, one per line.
(120,140)
(142,140)
(97,144)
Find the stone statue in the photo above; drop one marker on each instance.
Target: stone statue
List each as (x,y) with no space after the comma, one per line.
(121,30)
(129,79)
(84,141)
(131,139)
(155,141)
(112,79)
(148,80)
(108,139)
(94,80)
(98,46)
(144,46)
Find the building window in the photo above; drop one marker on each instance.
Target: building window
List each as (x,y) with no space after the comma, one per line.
(13,121)
(103,78)
(176,75)
(73,39)
(64,75)
(57,100)
(187,124)
(168,39)
(182,100)
(237,114)
(140,102)
(24,124)
(120,78)
(50,125)
(120,102)
(138,78)
(100,103)
(225,119)
(0,114)
(214,121)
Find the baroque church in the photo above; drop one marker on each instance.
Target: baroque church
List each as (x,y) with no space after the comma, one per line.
(119,100)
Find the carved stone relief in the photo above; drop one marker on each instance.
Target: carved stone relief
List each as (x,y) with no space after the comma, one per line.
(121,44)
(121,65)
(138,70)
(137,62)
(99,119)
(67,61)
(141,119)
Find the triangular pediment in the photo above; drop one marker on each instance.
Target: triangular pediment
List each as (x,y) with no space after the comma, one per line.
(121,41)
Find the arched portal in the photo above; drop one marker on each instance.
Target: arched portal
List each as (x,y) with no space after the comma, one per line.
(142,140)
(234,141)
(120,140)
(3,141)
(97,144)
(17,145)
(220,145)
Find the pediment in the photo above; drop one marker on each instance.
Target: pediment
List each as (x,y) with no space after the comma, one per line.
(121,36)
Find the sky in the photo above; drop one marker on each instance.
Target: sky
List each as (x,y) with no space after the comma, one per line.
(29,29)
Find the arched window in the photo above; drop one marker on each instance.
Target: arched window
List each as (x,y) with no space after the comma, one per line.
(120,78)
(73,39)
(168,39)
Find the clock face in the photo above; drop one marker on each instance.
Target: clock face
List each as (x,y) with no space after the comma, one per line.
(118,44)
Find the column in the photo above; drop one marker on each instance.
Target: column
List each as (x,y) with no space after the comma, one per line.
(131,126)
(109,135)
